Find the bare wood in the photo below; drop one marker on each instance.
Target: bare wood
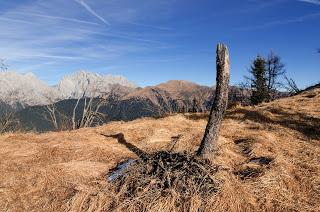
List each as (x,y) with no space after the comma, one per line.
(74,122)
(209,141)
(90,112)
(8,122)
(51,110)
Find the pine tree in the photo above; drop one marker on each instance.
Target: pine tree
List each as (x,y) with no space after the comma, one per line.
(194,105)
(259,81)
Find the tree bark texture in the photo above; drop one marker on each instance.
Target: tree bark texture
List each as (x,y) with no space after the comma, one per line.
(209,142)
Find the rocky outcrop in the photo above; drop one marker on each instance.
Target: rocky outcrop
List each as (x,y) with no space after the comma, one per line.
(23,90)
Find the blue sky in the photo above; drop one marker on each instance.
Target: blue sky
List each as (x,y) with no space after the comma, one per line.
(152,41)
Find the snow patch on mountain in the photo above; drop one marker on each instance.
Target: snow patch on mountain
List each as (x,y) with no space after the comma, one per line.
(23,89)
(89,84)
(27,90)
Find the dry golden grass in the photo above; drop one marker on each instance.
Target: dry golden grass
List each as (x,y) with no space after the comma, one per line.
(67,171)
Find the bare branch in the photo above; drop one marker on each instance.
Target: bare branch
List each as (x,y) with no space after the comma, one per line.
(3,65)
(274,70)
(93,100)
(291,86)
(8,122)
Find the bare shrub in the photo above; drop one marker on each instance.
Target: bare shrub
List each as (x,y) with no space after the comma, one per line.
(274,70)
(3,65)
(8,122)
(90,114)
(291,86)
(85,112)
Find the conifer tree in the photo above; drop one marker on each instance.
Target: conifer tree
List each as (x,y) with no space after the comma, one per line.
(259,81)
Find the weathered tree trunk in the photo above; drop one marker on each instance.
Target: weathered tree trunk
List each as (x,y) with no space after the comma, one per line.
(208,144)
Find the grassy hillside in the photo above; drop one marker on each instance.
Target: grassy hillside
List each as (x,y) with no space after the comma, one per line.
(269,159)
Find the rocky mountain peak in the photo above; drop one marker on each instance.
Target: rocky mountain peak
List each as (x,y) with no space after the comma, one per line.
(28,90)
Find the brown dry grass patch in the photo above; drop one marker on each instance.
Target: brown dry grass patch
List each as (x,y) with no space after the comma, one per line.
(67,171)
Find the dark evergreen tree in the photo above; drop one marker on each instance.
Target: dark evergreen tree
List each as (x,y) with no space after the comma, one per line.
(259,81)
(194,105)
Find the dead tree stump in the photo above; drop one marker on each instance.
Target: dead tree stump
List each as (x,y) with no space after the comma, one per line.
(209,141)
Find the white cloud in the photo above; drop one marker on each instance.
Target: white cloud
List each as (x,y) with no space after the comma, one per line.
(280,22)
(316,2)
(58,31)
(56,36)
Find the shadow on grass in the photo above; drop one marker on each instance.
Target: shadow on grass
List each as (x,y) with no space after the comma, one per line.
(197,116)
(307,125)
(121,140)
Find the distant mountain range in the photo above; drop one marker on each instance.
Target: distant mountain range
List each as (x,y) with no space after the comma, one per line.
(125,101)
(23,90)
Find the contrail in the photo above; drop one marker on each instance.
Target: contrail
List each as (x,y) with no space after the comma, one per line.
(91,11)
(15,20)
(55,17)
(149,26)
